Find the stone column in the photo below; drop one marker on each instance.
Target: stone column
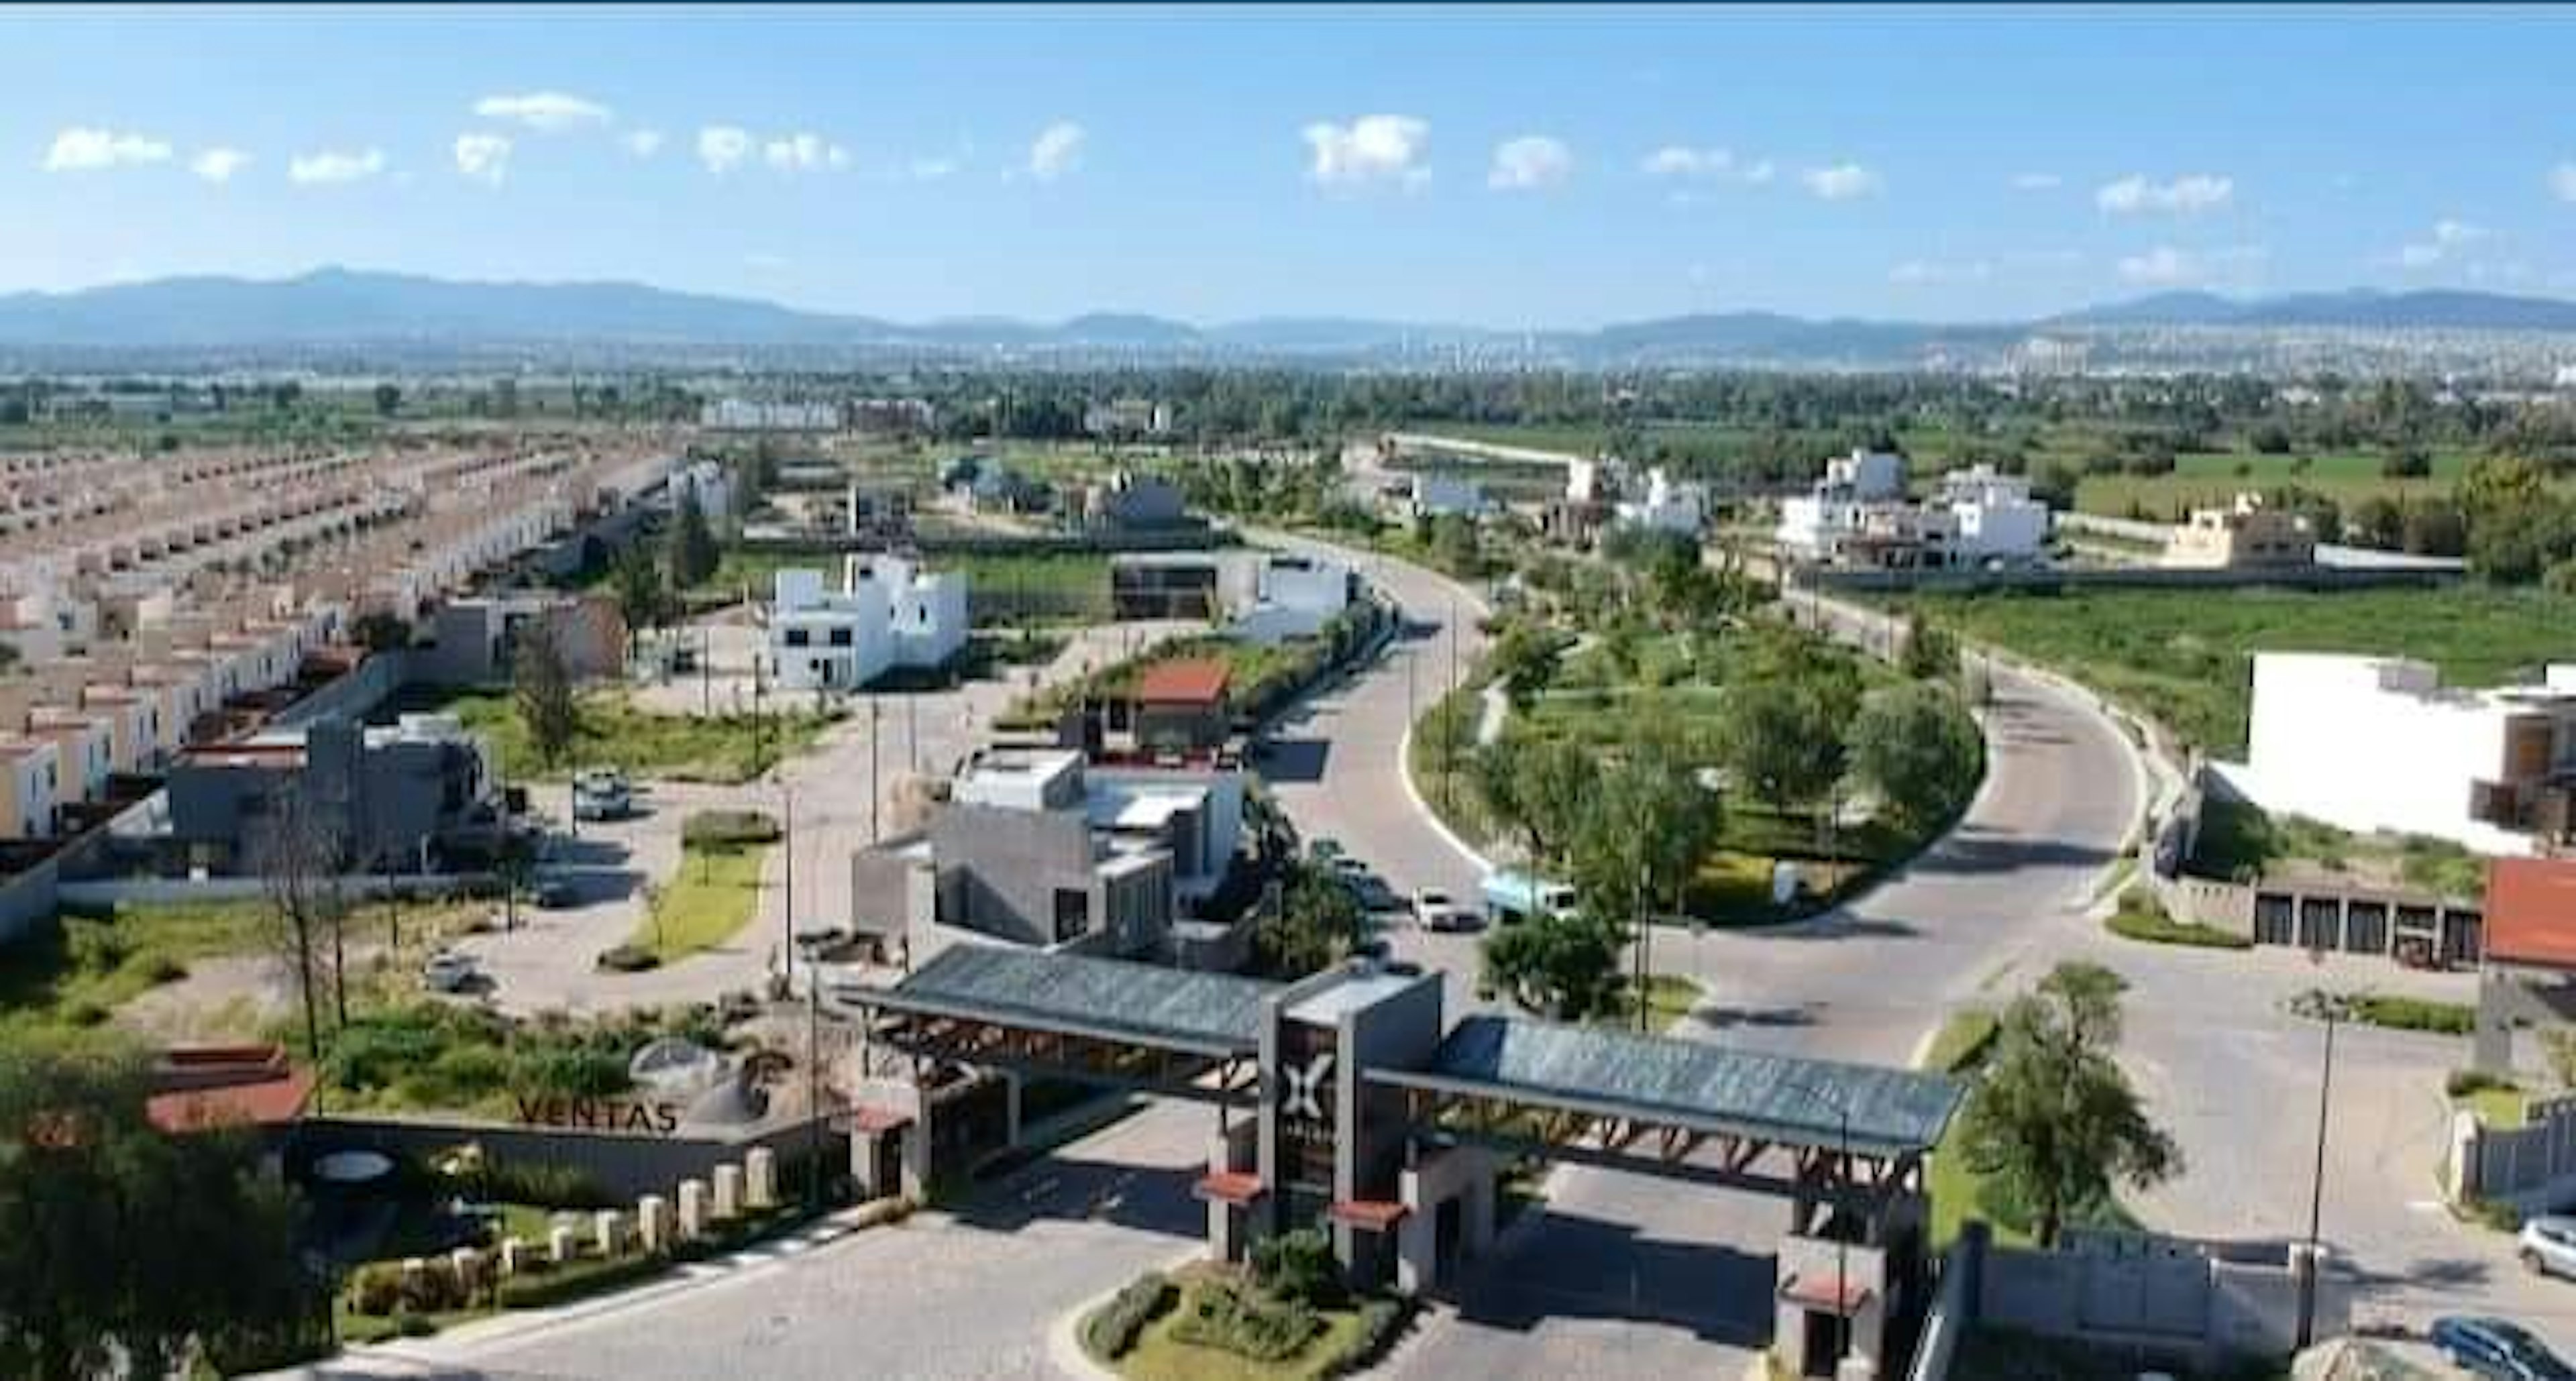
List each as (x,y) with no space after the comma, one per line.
(514,1255)
(760,1177)
(608,1229)
(693,1209)
(559,1244)
(468,1265)
(653,1222)
(728,1192)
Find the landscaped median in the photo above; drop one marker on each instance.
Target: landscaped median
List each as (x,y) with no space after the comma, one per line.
(712,896)
(1283,1317)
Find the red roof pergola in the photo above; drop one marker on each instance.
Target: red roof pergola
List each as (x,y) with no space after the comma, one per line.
(2531,912)
(1190,681)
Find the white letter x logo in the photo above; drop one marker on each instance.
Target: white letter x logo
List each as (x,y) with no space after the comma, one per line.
(1299,1098)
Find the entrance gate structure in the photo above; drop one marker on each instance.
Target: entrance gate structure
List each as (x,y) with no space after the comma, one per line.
(1346,1101)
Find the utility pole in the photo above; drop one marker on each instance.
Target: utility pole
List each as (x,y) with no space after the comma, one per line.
(876,793)
(787,917)
(2331,1009)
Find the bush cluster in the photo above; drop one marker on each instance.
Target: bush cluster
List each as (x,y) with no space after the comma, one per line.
(1114,1327)
(627,959)
(382,1289)
(1246,1322)
(728,829)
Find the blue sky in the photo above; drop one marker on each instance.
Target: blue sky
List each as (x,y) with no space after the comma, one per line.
(1509,167)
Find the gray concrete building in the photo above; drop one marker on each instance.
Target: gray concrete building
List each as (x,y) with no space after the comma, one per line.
(419,790)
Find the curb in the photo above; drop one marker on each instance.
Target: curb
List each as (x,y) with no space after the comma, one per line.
(1412,793)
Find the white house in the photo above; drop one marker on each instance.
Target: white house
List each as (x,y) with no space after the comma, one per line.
(1814,525)
(755,415)
(1294,597)
(1993,515)
(2378,743)
(1667,505)
(709,482)
(30,777)
(885,615)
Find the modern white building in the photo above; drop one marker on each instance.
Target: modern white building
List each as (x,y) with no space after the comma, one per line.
(30,780)
(2379,744)
(1668,505)
(1857,515)
(886,614)
(757,415)
(1433,495)
(1294,597)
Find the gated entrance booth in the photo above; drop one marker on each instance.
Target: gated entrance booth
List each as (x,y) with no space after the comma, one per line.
(1347,1101)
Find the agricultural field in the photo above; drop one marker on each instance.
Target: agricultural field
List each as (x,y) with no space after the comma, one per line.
(2184,657)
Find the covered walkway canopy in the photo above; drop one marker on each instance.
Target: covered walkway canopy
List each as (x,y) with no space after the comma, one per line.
(1107,1020)
(1650,1102)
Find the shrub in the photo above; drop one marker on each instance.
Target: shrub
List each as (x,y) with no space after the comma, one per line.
(2141,918)
(628,959)
(161,968)
(1382,1322)
(1297,1266)
(1231,1318)
(375,1289)
(1114,1327)
(85,1014)
(574,1073)
(2414,1014)
(727,829)
(577,1279)
(2466,1083)
(414,1326)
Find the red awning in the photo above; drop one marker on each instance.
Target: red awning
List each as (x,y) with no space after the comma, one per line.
(1825,1293)
(1237,1187)
(1368,1215)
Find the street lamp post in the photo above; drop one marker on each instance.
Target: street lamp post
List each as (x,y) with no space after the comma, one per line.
(2331,1010)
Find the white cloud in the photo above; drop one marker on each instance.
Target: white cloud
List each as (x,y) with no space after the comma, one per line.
(485,158)
(1684,163)
(931,169)
(803,152)
(218,164)
(1530,163)
(723,147)
(80,149)
(643,143)
(1841,182)
(1925,272)
(2449,240)
(1056,151)
(1370,149)
(2037,182)
(2168,267)
(2562,181)
(332,165)
(2187,195)
(547,112)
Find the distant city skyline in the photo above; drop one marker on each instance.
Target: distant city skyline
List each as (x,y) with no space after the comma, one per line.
(1504,168)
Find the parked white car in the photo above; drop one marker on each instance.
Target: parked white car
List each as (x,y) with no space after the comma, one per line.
(1434,909)
(2547,1246)
(447,972)
(601,794)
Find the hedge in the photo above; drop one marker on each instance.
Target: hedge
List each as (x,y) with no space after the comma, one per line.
(1382,1322)
(575,1279)
(1114,1327)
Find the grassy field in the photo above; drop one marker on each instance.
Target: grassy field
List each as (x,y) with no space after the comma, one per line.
(2203,481)
(2504,1109)
(74,977)
(724,749)
(2240,841)
(706,903)
(2185,656)
(2140,918)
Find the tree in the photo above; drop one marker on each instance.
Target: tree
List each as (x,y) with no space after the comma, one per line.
(542,685)
(1931,653)
(1560,964)
(1781,738)
(295,849)
(388,400)
(694,554)
(2407,463)
(2377,521)
(642,598)
(1916,746)
(2053,1123)
(1314,924)
(1641,841)
(122,1247)
(1538,785)
(1525,660)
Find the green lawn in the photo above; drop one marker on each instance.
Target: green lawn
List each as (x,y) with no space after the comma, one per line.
(2501,1108)
(2141,918)
(77,974)
(706,903)
(1669,998)
(2185,656)
(725,749)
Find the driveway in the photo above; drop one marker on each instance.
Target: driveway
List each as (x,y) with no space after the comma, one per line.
(946,1296)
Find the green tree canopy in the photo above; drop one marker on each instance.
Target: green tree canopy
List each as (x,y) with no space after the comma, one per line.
(1524,659)
(1564,966)
(1539,785)
(694,555)
(2053,1123)
(542,685)
(1919,749)
(1781,737)
(118,1238)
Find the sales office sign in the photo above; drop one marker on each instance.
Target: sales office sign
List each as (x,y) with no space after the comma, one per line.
(623,1115)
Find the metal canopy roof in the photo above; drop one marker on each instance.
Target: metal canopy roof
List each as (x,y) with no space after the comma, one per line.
(1722,1090)
(1110,999)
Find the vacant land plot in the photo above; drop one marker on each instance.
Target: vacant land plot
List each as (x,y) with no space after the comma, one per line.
(706,903)
(724,749)
(2185,656)
(2203,481)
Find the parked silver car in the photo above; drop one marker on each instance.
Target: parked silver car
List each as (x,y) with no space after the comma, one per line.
(2547,1246)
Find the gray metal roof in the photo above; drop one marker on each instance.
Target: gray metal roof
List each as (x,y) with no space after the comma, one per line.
(1209,1013)
(1720,1089)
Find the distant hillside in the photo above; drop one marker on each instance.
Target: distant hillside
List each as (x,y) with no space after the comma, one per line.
(342,307)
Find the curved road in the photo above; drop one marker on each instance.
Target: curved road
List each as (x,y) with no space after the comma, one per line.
(1621,1274)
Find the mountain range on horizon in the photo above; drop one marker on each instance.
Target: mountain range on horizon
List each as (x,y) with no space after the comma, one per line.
(343,307)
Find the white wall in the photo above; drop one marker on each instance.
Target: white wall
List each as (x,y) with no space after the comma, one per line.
(2371,744)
